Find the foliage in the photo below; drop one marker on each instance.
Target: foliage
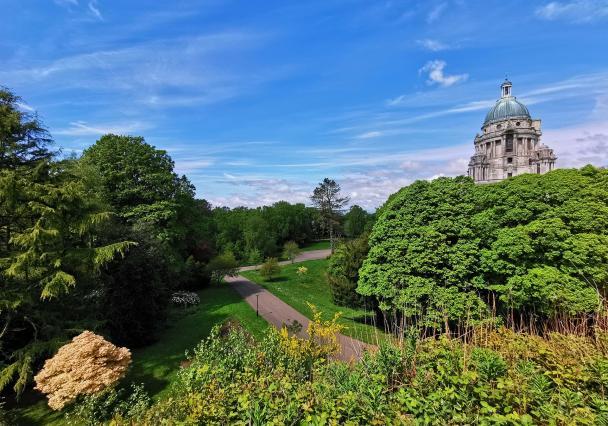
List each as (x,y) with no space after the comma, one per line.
(254,234)
(302,272)
(85,366)
(291,250)
(502,378)
(270,268)
(185,298)
(103,406)
(449,250)
(343,272)
(134,293)
(52,245)
(24,140)
(357,221)
(327,199)
(221,266)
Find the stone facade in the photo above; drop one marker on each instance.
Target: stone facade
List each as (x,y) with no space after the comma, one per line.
(510,143)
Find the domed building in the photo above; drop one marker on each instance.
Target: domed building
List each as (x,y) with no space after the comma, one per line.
(510,143)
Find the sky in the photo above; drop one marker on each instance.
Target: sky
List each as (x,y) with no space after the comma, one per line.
(258,101)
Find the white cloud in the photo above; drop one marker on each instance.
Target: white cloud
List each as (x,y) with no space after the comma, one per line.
(432,45)
(82,128)
(369,135)
(25,107)
(578,11)
(436,12)
(579,145)
(94,9)
(66,3)
(436,74)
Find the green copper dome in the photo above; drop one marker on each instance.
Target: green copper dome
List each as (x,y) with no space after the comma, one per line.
(507,107)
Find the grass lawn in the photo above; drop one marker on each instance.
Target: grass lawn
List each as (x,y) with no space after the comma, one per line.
(314,289)
(157,364)
(316,245)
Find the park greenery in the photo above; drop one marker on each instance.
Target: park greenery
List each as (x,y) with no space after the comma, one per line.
(484,304)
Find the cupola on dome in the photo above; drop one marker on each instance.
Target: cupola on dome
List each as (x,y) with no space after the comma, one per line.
(507,107)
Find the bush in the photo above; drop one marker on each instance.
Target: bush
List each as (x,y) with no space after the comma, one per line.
(270,268)
(504,378)
(291,250)
(85,366)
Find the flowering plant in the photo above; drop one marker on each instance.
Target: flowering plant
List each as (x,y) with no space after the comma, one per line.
(185,298)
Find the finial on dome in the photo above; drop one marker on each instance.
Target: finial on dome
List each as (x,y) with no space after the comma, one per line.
(506,88)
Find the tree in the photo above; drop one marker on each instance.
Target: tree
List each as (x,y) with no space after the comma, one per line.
(223,265)
(84,366)
(343,272)
(137,179)
(291,250)
(270,268)
(326,198)
(449,250)
(24,142)
(355,221)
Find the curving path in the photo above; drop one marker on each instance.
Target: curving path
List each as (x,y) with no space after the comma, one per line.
(279,313)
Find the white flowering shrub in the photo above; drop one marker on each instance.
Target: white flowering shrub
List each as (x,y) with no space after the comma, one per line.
(185,298)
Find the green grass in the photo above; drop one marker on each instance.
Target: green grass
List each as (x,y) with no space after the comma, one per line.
(317,245)
(156,365)
(314,289)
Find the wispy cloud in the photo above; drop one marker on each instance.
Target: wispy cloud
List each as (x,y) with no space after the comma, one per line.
(436,12)
(25,107)
(82,128)
(432,45)
(65,3)
(578,11)
(436,74)
(94,9)
(369,135)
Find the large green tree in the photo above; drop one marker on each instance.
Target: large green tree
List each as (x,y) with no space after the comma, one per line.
(449,249)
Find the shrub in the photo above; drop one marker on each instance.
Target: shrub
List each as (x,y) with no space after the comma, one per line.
(270,268)
(302,271)
(291,250)
(87,365)
(185,298)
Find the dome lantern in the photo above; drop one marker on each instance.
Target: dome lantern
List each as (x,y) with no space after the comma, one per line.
(506,88)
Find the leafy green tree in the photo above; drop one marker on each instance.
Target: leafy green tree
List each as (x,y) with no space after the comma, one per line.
(291,250)
(355,221)
(343,272)
(270,268)
(223,265)
(448,249)
(327,199)
(138,179)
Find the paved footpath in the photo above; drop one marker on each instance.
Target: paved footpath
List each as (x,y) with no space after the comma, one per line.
(279,313)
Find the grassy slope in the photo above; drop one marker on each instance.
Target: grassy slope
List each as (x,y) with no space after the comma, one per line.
(157,364)
(314,289)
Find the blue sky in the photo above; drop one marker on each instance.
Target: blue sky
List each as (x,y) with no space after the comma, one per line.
(257,101)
